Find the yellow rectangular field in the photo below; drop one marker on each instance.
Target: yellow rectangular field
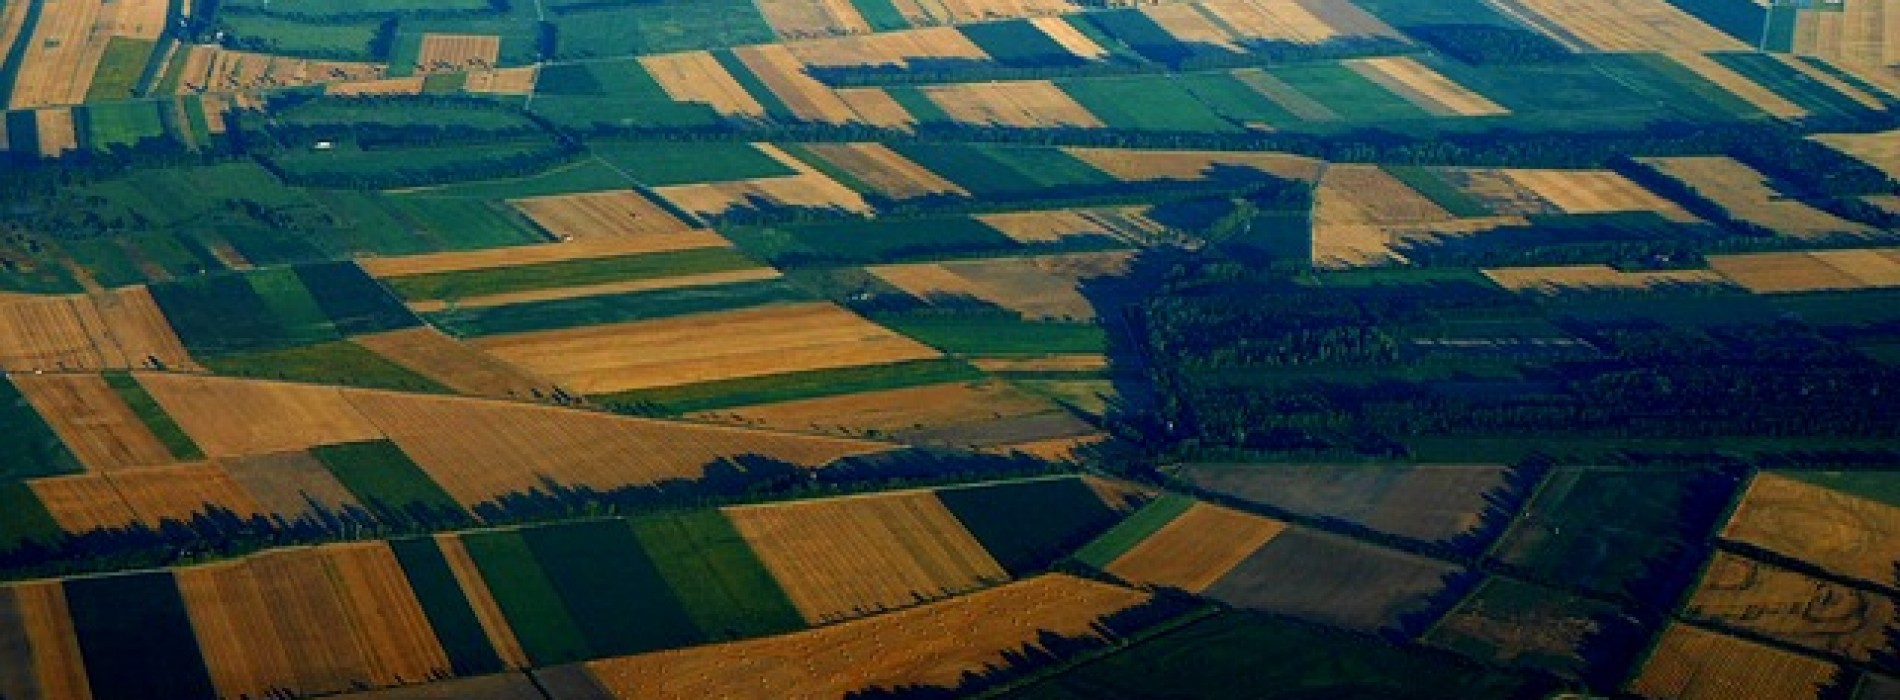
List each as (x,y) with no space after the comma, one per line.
(1881,149)
(1549,280)
(1620,25)
(1754,93)
(889,172)
(235,417)
(1028,104)
(1691,663)
(181,493)
(600,216)
(1593,192)
(1746,194)
(1427,88)
(39,650)
(1130,224)
(1792,607)
(785,76)
(1844,534)
(804,19)
(1047,287)
(450,53)
(695,76)
(1195,549)
(119,329)
(503,81)
(682,281)
(1143,164)
(964,414)
(457,261)
(1769,273)
(426,351)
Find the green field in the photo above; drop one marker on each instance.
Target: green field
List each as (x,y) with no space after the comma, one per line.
(723,586)
(1102,551)
(1001,172)
(400,493)
(791,386)
(534,609)
(108,124)
(353,39)
(1151,103)
(292,305)
(33,449)
(659,27)
(135,259)
(1347,93)
(875,241)
(355,303)
(446,606)
(135,636)
(569,273)
(119,71)
(337,362)
(614,308)
(1441,192)
(616,596)
(23,518)
(999,334)
(662,163)
(154,416)
(571,178)
(1613,531)
(1026,525)
(1548,630)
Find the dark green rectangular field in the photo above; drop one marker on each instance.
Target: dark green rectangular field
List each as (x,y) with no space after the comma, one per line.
(618,598)
(568,273)
(534,609)
(32,449)
(720,582)
(1027,525)
(448,610)
(394,488)
(136,638)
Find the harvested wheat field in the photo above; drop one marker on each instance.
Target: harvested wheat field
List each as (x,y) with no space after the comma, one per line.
(1069,38)
(1189,25)
(1045,363)
(480,599)
(39,652)
(1768,101)
(426,351)
(1027,104)
(1299,21)
(450,53)
(1337,245)
(1843,534)
(1881,150)
(181,493)
(955,408)
(1620,25)
(1868,97)
(1561,278)
(932,645)
(112,330)
(213,69)
(83,503)
(458,261)
(782,73)
(807,189)
(1127,224)
(1501,192)
(1134,165)
(962,11)
(1788,606)
(1746,194)
(503,81)
(597,216)
(896,48)
(841,558)
(97,425)
(57,131)
(877,108)
(1356,208)
(234,417)
(704,347)
(57,63)
(293,486)
(1862,36)
(1428,89)
(1062,449)
(1806,272)
(1594,192)
(385,86)
(695,76)
(885,170)
(682,281)
(1691,663)
(480,450)
(1047,287)
(804,19)
(1197,548)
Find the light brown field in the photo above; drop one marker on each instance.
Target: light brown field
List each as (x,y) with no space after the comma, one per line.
(1197,548)
(1046,363)
(426,351)
(457,261)
(1805,272)
(961,11)
(1060,449)
(1792,607)
(807,189)
(897,48)
(61,55)
(1187,24)
(889,172)
(875,107)
(1286,96)
(487,612)
(503,81)
(1840,533)
(841,558)
(179,493)
(1620,25)
(12,22)
(803,19)
(397,640)
(1129,224)
(39,651)
(704,347)
(56,129)
(385,86)
(1880,149)
(1593,192)
(1352,206)
(699,280)
(1860,36)
(450,53)
(695,76)
(1762,98)
(1691,663)
(1425,87)
(596,216)
(1426,503)
(499,686)
(781,71)
(1069,38)
(1548,280)
(480,449)
(1027,104)
(931,645)
(110,330)
(1135,164)
(83,503)
(99,428)
(1345,245)
(1866,98)
(1745,194)
(1501,191)
(210,69)
(1038,287)
(969,406)
(234,417)
(291,485)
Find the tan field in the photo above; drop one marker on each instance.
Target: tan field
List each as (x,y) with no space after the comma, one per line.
(83,503)
(1060,449)
(875,107)
(961,11)
(291,485)
(234,417)
(456,261)
(1806,272)
(1762,98)
(12,22)
(1547,280)
(1746,194)
(1187,24)
(1593,192)
(964,408)
(1788,606)
(1844,534)
(426,351)
(1502,192)
(1365,194)
(1691,663)
(1425,87)
(1881,149)
(213,69)
(1069,38)
(1195,549)
(896,48)
(810,190)
(807,98)
(1344,245)
(1046,287)
(1135,165)
(179,493)
(699,280)
(480,450)
(385,86)
(1129,224)
(61,55)
(803,19)
(704,347)
(842,558)
(450,53)
(931,645)
(695,76)
(56,129)
(482,601)
(39,651)
(1049,363)
(1862,36)
(1028,104)
(99,428)
(1866,98)
(890,173)
(1301,21)
(111,330)
(598,216)
(1620,25)
(503,81)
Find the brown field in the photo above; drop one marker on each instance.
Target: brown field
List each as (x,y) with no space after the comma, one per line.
(1049,363)
(1026,104)
(1762,98)
(1045,287)
(213,69)
(1129,224)
(1549,280)
(56,129)
(1121,496)
(1841,533)
(426,351)
(1354,245)
(1593,191)
(457,261)
(500,686)
(384,86)
(803,19)
(1746,194)
(1060,449)
(178,493)
(699,280)
(39,652)
(961,11)
(1862,36)
(1187,24)
(1286,96)
(841,558)
(1430,503)
(480,449)
(110,330)
(1362,212)
(1503,193)
(93,421)
(1332,580)
(291,485)
(450,53)
(890,173)
(963,413)
(83,503)
(487,611)
(931,645)
(12,22)
(807,98)
(1691,663)
(896,48)
(1197,548)
(1431,91)
(597,216)
(1620,25)
(62,54)
(1069,38)
(807,189)
(1766,273)
(1134,165)
(1881,150)
(876,108)
(695,76)
(234,417)
(1792,607)
(503,81)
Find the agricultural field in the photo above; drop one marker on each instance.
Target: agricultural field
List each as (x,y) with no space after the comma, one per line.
(1195,548)
(1430,503)
(1692,663)
(1740,593)
(1747,195)
(1839,532)
(1772,273)
(1335,581)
